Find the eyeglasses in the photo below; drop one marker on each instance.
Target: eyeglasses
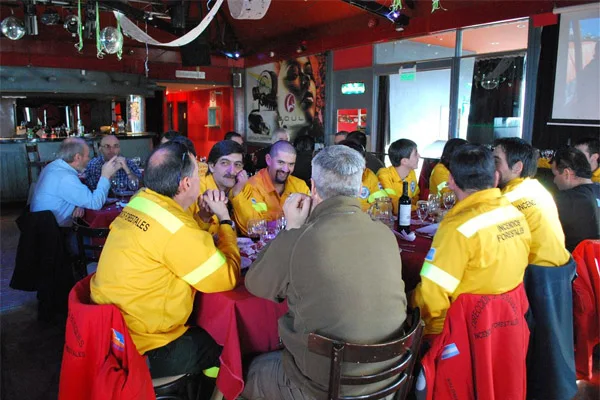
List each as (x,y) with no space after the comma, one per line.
(108,146)
(183,155)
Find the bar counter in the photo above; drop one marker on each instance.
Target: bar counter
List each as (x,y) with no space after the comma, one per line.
(14,183)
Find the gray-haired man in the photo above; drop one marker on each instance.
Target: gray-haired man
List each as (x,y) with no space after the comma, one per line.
(342,276)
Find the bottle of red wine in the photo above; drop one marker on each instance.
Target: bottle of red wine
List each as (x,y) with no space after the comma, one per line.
(404,205)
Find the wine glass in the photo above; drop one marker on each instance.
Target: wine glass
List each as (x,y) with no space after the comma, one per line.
(133,184)
(281,223)
(121,189)
(449,200)
(422,210)
(433,205)
(256,228)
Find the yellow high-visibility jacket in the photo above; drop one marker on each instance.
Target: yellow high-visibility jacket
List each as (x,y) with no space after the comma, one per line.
(543,163)
(596,175)
(481,247)
(438,181)
(202,169)
(371,189)
(392,184)
(261,200)
(154,260)
(537,204)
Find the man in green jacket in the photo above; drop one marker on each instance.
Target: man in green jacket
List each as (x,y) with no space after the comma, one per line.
(341,275)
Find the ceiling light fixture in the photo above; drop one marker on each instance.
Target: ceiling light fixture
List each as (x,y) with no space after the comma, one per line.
(13,28)
(50,17)
(71,24)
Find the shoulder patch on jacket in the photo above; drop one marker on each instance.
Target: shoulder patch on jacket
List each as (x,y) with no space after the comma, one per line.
(413,186)
(364,192)
(449,351)
(118,340)
(430,254)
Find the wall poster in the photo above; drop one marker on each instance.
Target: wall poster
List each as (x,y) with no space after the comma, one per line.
(286,94)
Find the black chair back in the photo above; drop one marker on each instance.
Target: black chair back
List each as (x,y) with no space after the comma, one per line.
(90,242)
(405,349)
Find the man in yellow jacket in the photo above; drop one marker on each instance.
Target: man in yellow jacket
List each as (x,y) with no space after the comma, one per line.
(371,189)
(156,258)
(438,181)
(404,157)
(226,173)
(269,188)
(516,164)
(481,246)
(591,148)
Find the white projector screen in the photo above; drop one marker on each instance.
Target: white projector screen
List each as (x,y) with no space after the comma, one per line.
(577,83)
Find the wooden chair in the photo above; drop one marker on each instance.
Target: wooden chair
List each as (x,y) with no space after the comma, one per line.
(405,348)
(33,160)
(90,242)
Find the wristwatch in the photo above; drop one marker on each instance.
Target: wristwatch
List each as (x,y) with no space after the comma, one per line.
(227,222)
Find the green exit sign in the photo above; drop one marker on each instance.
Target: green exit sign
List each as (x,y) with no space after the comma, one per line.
(353,88)
(408,76)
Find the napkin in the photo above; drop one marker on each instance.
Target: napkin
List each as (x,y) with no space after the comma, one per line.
(122,204)
(404,236)
(429,229)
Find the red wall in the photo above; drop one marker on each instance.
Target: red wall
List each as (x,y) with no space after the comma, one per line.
(355,57)
(197,105)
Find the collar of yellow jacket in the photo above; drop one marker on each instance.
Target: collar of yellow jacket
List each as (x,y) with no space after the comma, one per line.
(267,183)
(512,184)
(163,201)
(481,196)
(596,175)
(207,182)
(396,176)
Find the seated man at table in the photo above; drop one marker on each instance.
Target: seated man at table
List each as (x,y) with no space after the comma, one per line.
(270,187)
(333,287)
(404,157)
(156,258)
(578,198)
(590,147)
(59,189)
(226,174)
(481,246)
(551,373)
(371,188)
(109,148)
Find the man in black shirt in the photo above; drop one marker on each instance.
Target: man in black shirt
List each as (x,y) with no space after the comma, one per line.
(578,200)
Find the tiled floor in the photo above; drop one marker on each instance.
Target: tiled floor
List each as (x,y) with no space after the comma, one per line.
(31,351)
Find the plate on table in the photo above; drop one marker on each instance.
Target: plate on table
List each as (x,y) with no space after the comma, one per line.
(110,200)
(124,193)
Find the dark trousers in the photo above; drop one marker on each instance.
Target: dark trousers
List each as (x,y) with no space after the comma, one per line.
(191,353)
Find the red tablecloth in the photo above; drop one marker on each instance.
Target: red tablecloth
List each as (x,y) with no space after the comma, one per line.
(103,217)
(243,324)
(412,259)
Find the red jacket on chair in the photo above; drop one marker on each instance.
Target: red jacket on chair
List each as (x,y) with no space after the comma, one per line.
(481,351)
(100,361)
(586,305)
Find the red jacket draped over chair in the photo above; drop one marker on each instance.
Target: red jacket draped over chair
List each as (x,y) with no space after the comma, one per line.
(100,361)
(586,305)
(481,351)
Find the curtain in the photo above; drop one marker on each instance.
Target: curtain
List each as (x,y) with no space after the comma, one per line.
(495,93)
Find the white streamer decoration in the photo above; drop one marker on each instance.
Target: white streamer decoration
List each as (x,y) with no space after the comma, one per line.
(248,9)
(133,31)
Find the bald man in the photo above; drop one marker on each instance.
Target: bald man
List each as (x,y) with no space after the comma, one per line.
(109,148)
(271,186)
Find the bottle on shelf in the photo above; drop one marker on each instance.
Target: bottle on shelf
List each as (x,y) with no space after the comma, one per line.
(404,209)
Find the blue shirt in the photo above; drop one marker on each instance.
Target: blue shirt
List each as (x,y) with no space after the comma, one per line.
(59,190)
(94,171)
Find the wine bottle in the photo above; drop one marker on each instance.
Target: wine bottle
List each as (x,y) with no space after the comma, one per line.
(404,205)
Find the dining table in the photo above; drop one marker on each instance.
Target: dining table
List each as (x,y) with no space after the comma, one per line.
(244,325)
(103,217)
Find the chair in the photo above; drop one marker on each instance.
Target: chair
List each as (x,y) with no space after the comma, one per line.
(178,387)
(33,160)
(405,348)
(90,242)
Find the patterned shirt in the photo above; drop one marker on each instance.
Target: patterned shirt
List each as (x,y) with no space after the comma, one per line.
(94,171)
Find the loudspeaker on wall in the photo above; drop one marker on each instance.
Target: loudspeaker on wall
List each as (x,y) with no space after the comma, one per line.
(237,80)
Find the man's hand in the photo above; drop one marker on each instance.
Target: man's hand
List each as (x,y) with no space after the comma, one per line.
(110,167)
(240,181)
(204,212)
(296,209)
(216,201)
(78,212)
(122,162)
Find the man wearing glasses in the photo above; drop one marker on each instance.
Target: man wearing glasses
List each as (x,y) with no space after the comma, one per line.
(109,147)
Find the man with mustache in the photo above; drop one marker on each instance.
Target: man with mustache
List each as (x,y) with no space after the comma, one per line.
(269,188)
(226,173)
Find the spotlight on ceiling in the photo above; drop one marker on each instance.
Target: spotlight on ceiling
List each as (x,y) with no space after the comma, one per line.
(71,24)
(13,28)
(50,16)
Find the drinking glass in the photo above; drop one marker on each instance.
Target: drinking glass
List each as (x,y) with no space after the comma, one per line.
(422,210)
(281,223)
(256,228)
(382,210)
(449,200)
(122,188)
(433,205)
(133,184)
